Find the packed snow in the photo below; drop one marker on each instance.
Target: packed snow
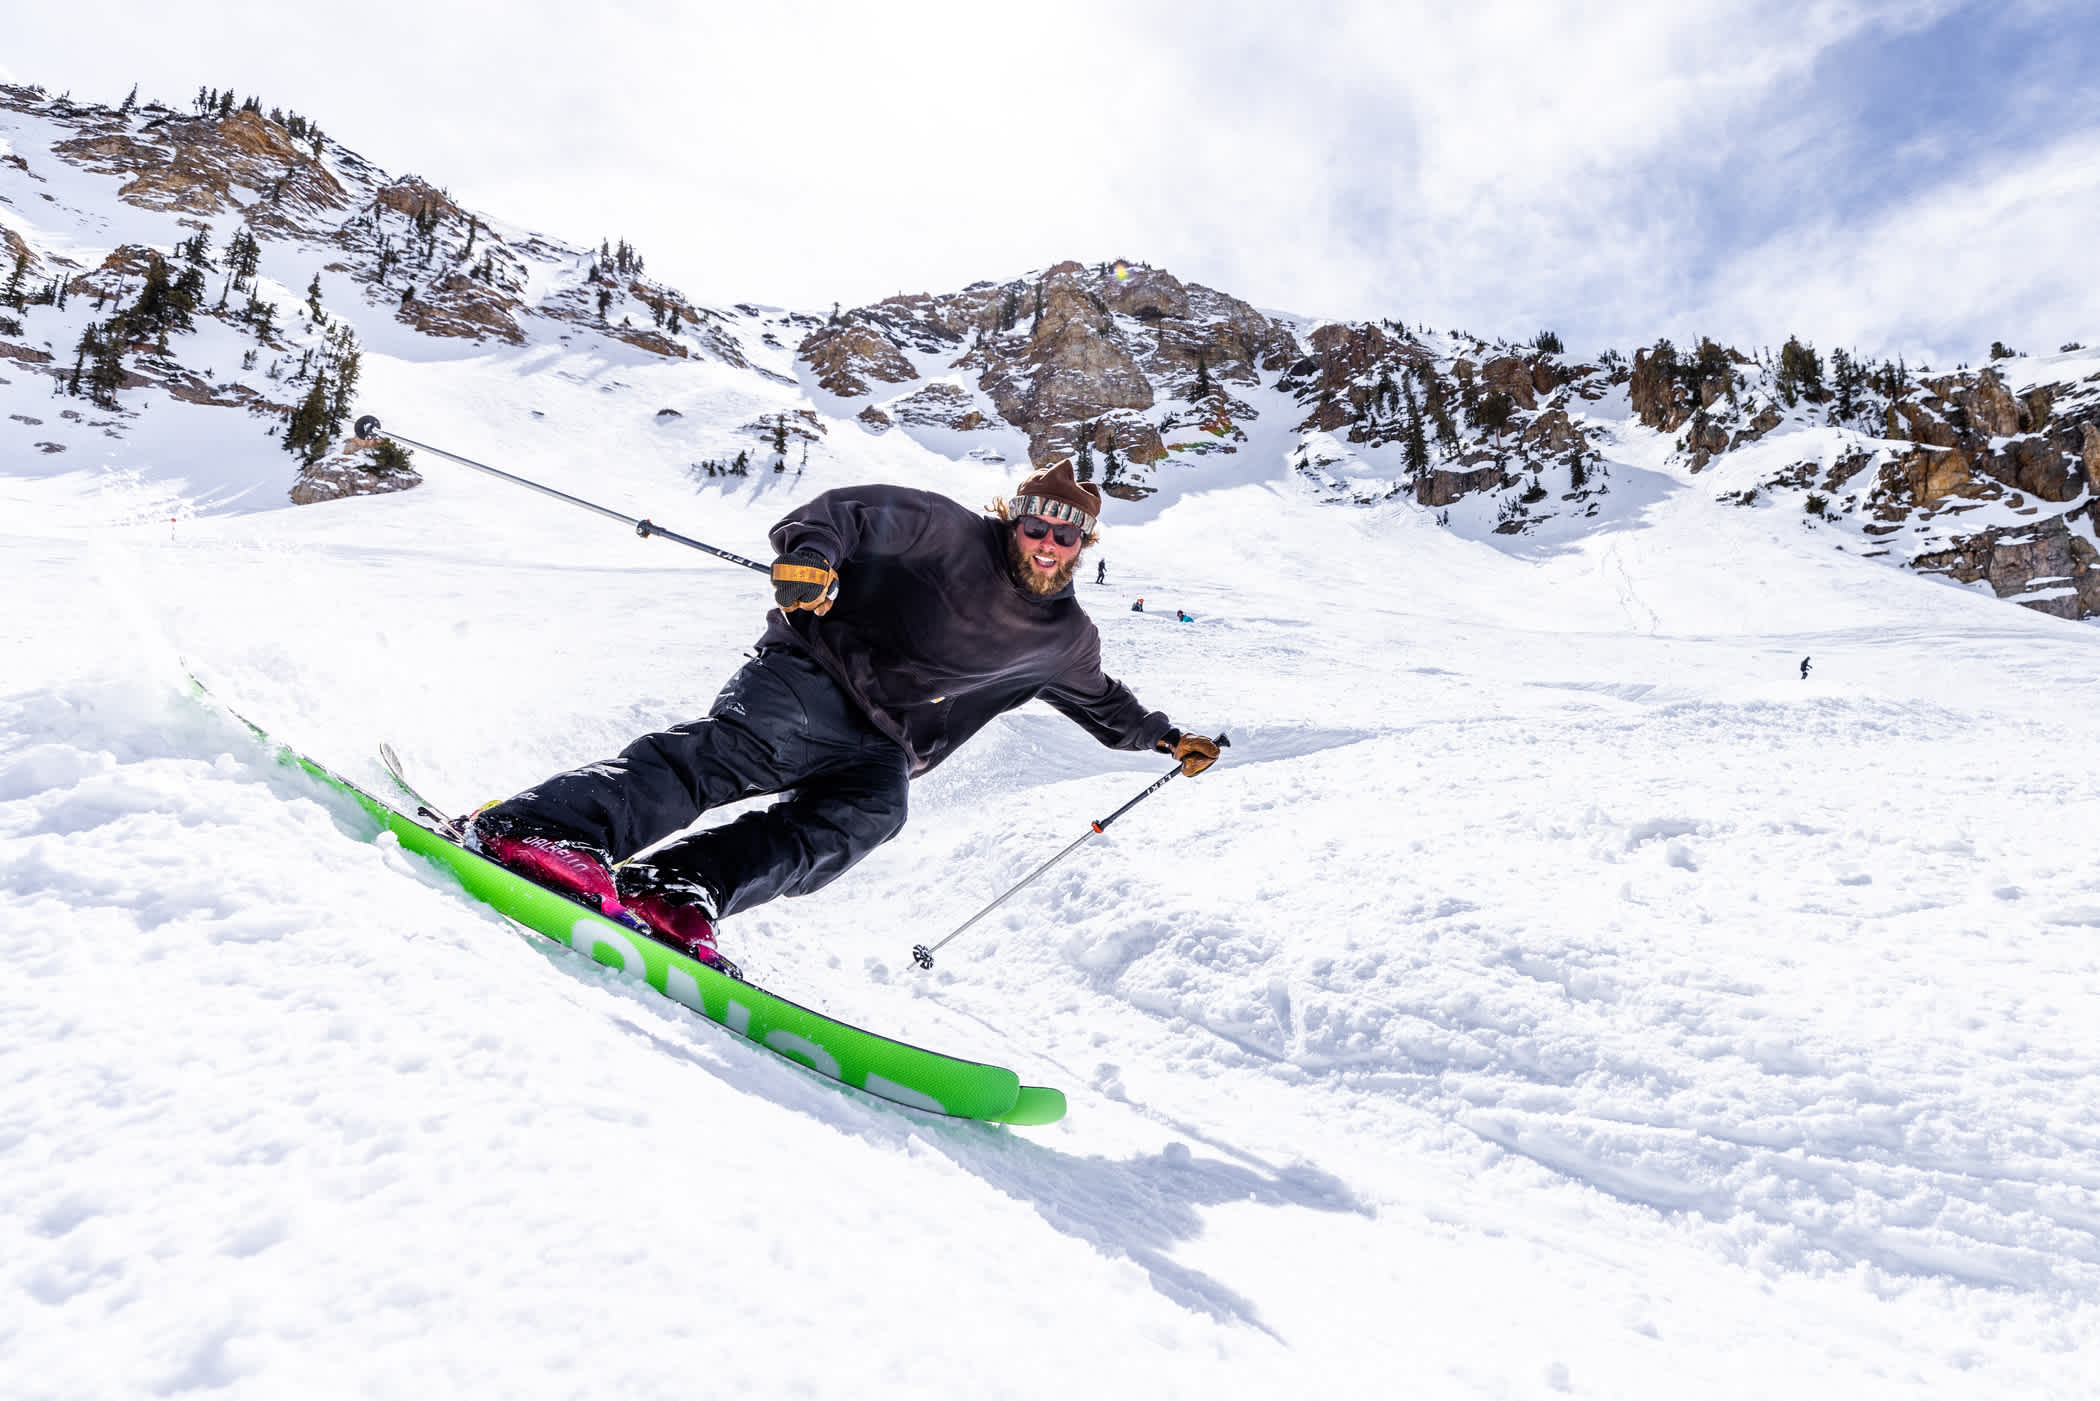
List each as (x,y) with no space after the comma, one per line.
(1552,992)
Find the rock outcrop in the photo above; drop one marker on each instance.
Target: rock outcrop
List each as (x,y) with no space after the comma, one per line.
(2052,567)
(1099,354)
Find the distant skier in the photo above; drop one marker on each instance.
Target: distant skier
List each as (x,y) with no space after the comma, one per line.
(1804,668)
(1100,571)
(1138,607)
(1181,617)
(906,623)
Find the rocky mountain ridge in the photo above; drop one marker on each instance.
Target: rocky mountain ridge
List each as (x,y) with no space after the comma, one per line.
(1145,381)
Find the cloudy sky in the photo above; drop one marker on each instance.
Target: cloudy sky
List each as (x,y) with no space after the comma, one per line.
(1918,177)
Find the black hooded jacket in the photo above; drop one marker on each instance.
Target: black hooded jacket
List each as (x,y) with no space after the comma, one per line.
(932,636)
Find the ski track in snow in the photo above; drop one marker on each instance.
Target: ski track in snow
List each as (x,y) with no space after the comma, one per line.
(1686,1010)
(1550,992)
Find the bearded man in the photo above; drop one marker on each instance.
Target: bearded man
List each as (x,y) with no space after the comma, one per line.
(906,622)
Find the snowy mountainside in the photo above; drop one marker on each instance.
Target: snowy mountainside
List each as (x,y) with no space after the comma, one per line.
(1154,386)
(1555,992)
(214,261)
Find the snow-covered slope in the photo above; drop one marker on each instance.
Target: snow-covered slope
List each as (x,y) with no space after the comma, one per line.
(1553,992)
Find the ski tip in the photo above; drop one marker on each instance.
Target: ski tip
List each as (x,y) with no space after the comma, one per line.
(1036,1105)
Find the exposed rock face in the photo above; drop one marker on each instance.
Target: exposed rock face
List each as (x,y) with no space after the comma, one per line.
(1983,431)
(1099,348)
(1440,488)
(1076,363)
(1658,400)
(1506,374)
(1704,439)
(192,164)
(452,301)
(404,247)
(2048,567)
(940,405)
(349,473)
(1766,419)
(845,357)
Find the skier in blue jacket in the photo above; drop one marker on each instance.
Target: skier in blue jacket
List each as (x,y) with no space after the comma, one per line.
(906,622)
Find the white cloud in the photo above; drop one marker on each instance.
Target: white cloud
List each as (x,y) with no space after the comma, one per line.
(1503,166)
(2004,255)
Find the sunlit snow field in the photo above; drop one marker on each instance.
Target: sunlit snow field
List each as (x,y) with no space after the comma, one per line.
(1551,993)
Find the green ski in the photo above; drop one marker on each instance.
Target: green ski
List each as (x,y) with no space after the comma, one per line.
(892,1070)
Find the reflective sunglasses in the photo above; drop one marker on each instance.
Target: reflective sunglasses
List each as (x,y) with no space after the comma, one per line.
(1035,528)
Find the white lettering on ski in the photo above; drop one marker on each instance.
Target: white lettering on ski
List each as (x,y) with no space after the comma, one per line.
(586,934)
(681,986)
(805,1050)
(902,1094)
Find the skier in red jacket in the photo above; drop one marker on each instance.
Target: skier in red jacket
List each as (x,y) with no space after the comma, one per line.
(906,622)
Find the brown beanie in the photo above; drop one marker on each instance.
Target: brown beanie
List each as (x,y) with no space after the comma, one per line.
(1054,494)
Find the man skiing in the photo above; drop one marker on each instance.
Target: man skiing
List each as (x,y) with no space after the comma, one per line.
(907,622)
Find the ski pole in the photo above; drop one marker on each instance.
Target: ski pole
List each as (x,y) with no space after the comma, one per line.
(923,955)
(369,425)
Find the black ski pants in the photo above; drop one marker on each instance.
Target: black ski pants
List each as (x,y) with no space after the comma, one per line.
(781,725)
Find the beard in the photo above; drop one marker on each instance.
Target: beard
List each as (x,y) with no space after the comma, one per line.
(1041,585)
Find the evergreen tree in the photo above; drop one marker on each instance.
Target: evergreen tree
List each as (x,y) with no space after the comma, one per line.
(306,435)
(1845,383)
(243,255)
(1083,468)
(261,317)
(388,457)
(152,313)
(1800,371)
(185,295)
(1493,413)
(90,344)
(12,296)
(1417,442)
(130,102)
(604,301)
(1203,385)
(1111,465)
(313,299)
(106,374)
(344,362)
